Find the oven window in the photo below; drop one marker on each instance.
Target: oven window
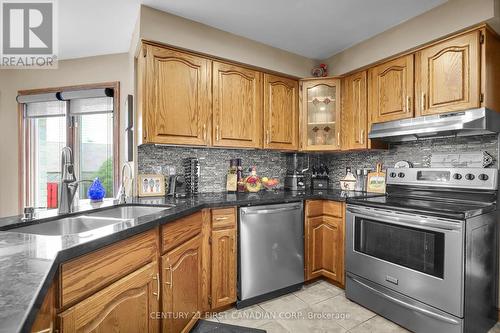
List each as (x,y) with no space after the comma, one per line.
(418,249)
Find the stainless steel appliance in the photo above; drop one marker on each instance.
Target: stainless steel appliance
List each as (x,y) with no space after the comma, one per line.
(479,121)
(271,251)
(425,254)
(296,165)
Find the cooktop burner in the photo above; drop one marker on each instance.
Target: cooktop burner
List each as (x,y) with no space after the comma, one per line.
(453,209)
(456,193)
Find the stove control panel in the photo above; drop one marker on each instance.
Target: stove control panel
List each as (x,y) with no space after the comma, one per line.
(474,178)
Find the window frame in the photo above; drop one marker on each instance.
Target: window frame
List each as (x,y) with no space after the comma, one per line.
(26,164)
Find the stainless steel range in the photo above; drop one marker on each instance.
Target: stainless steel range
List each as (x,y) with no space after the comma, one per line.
(425,255)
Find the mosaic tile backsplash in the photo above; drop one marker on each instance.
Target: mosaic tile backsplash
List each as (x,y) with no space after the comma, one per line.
(214,163)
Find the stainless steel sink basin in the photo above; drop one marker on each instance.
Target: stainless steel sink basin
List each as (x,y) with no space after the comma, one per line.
(128,212)
(68,226)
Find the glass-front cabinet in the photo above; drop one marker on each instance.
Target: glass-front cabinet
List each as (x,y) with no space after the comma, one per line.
(320,114)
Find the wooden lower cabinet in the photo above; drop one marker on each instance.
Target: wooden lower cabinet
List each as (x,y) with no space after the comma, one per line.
(324,236)
(181,286)
(224,263)
(125,306)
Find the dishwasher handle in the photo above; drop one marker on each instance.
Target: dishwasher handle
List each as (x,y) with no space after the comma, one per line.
(249,211)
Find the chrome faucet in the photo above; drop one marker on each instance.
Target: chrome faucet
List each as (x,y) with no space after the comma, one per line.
(122,192)
(69,184)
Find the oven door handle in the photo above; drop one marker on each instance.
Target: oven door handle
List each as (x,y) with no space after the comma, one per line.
(426,223)
(407,305)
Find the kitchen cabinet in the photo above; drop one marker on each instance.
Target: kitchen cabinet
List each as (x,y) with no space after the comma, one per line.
(124,306)
(448,75)
(390,87)
(181,276)
(181,273)
(281,113)
(354,111)
(320,114)
(46,317)
(224,263)
(237,106)
(174,97)
(324,237)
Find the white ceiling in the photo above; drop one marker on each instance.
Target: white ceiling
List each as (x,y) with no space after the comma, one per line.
(313,28)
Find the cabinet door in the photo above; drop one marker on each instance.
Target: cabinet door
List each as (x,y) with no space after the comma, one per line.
(354,111)
(325,248)
(177,102)
(223,267)
(391,90)
(128,305)
(237,108)
(181,281)
(281,113)
(320,118)
(448,75)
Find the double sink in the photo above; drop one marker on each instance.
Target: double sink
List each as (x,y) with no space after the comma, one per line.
(91,221)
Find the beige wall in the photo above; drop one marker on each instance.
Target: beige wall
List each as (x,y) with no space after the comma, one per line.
(70,72)
(166,28)
(450,17)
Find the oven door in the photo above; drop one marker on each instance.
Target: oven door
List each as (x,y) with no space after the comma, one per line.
(418,256)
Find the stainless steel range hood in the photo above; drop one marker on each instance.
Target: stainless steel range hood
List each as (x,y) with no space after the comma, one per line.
(464,123)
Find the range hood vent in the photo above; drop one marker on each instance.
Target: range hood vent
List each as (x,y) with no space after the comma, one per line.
(479,121)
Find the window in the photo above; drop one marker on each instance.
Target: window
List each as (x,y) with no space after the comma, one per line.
(85,120)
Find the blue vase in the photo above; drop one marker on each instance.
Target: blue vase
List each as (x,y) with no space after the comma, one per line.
(96,191)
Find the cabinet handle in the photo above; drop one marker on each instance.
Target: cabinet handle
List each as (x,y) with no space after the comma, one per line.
(171,278)
(268,138)
(217,132)
(338,138)
(362,137)
(157,293)
(408,104)
(205,132)
(423,101)
(221,218)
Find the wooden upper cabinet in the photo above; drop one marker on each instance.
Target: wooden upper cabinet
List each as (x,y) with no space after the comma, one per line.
(176,97)
(320,115)
(355,111)
(124,306)
(391,90)
(281,113)
(237,106)
(448,75)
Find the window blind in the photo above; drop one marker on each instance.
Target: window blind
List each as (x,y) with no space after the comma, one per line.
(45,109)
(91,105)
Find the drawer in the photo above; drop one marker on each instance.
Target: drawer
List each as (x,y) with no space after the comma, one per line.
(176,233)
(224,218)
(83,276)
(324,207)
(333,208)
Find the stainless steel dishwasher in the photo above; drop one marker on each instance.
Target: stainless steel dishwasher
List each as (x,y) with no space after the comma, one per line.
(271,252)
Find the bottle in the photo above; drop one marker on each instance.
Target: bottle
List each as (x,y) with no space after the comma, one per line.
(360,180)
(348,183)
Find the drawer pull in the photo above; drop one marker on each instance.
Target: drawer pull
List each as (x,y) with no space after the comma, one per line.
(222,218)
(170,282)
(157,293)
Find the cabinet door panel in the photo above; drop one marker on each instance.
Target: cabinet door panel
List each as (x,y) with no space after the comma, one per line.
(178,97)
(237,94)
(325,248)
(223,267)
(354,111)
(280,112)
(320,115)
(125,306)
(448,75)
(181,281)
(391,90)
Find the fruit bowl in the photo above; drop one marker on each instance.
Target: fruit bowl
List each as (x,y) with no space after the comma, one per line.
(270,184)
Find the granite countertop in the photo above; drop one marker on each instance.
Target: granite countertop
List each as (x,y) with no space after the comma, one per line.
(28,262)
